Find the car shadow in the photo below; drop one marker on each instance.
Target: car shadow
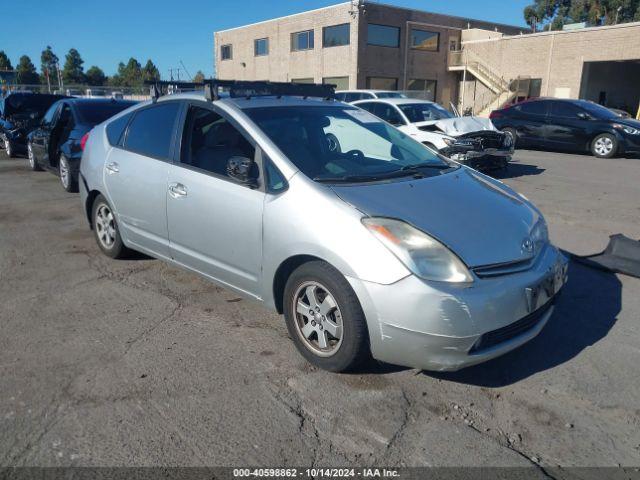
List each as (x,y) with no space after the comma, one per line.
(515,170)
(585,312)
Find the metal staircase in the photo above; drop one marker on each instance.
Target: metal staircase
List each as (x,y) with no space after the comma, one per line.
(501,90)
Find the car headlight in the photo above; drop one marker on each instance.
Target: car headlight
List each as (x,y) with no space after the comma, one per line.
(540,235)
(449,141)
(627,129)
(423,255)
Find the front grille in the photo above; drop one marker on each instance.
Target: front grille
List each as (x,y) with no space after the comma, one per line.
(500,269)
(483,140)
(501,335)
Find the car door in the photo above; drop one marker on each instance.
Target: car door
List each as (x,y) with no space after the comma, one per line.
(56,135)
(530,122)
(215,223)
(40,136)
(136,173)
(567,126)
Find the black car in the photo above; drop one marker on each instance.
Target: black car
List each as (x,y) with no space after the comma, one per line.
(57,143)
(21,112)
(570,125)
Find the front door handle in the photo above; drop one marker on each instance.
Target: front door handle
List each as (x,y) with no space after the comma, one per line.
(112,168)
(177,190)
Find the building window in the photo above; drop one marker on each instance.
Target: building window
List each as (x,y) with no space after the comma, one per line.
(302,80)
(226,53)
(341,83)
(382,83)
(336,35)
(383,35)
(261,47)
(423,40)
(302,41)
(427,87)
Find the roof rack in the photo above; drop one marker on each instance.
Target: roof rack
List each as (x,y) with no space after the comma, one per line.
(248,89)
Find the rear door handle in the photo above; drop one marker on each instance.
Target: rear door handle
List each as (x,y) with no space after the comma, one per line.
(177,190)
(112,167)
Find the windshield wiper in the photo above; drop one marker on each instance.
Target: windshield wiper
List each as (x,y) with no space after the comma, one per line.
(347,179)
(418,166)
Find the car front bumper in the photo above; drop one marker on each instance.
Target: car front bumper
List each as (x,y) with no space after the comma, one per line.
(443,327)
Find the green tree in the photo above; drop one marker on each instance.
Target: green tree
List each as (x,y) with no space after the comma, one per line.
(150,72)
(95,76)
(131,73)
(73,71)
(26,72)
(199,77)
(5,63)
(48,64)
(543,14)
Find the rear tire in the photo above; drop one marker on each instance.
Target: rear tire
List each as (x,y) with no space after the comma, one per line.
(68,181)
(514,135)
(604,145)
(105,228)
(325,319)
(9,148)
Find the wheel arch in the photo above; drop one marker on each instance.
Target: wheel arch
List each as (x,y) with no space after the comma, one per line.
(284,270)
(88,206)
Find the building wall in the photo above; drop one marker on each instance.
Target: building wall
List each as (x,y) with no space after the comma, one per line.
(558,57)
(282,64)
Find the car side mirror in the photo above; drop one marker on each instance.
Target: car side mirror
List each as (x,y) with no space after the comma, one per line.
(244,170)
(584,116)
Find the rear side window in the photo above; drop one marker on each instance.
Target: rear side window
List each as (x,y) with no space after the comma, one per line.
(116,128)
(533,108)
(151,130)
(368,106)
(388,113)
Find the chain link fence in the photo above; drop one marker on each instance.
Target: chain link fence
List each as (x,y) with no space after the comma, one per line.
(86,91)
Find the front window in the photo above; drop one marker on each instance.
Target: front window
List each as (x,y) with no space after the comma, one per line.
(343,144)
(598,111)
(424,112)
(336,35)
(261,47)
(383,35)
(423,40)
(226,52)
(302,41)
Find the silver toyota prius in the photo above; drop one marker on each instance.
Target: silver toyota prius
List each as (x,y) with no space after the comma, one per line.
(370,244)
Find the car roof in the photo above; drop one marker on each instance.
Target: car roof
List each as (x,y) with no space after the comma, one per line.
(366,91)
(395,101)
(98,101)
(254,102)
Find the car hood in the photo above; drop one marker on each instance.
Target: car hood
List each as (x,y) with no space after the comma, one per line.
(460,125)
(630,122)
(483,221)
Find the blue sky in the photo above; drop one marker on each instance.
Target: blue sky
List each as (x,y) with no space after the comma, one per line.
(106,33)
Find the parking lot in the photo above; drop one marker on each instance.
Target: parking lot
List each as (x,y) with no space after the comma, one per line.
(107,362)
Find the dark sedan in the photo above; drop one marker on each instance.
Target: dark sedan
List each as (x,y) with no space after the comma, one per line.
(56,145)
(21,112)
(570,125)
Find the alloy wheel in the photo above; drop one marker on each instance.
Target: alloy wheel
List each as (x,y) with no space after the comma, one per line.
(105,226)
(64,172)
(32,160)
(603,146)
(318,320)
(7,146)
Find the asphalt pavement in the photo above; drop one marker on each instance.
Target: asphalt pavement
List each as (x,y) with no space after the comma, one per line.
(137,363)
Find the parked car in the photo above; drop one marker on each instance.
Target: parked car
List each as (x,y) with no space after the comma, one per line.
(56,144)
(21,112)
(354,95)
(473,141)
(369,243)
(569,125)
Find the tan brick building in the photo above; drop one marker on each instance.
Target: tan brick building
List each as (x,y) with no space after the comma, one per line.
(474,64)
(367,46)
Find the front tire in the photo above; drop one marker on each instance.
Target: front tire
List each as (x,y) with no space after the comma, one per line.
(604,145)
(325,319)
(33,163)
(9,148)
(513,134)
(105,228)
(68,181)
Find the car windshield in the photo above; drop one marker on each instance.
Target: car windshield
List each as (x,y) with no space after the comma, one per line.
(338,143)
(93,113)
(390,95)
(599,111)
(424,112)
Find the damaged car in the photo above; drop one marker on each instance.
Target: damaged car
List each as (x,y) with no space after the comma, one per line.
(472,141)
(20,113)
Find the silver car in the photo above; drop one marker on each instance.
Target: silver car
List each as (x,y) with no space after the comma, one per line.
(370,244)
